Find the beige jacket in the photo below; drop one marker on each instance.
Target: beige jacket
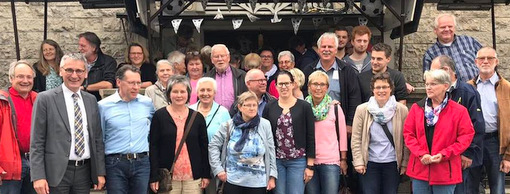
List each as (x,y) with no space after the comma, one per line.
(361,135)
(157,94)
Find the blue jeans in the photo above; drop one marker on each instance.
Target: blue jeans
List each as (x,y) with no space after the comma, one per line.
(380,178)
(127,176)
(23,186)
(325,180)
(470,181)
(423,187)
(491,162)
(290,176)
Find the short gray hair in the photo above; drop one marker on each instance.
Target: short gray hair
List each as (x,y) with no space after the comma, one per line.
(177,79)
(176,57)
(286,53)
(438,75)
(217,46)
(166,62)
(15,64)
(328,35)
(206,80)
(74,56)
(436,20)
(446,61)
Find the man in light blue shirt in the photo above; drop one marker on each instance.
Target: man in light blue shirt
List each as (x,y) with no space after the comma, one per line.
(125,120)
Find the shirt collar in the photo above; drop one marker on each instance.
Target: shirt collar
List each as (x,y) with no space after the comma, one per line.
(319,66)
(493,80)
(68,92)
(453,86)
(446,45)
(116,98)
(228,70)
(271,71)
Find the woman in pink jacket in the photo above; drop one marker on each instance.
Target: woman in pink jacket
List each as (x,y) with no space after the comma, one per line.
(437,130)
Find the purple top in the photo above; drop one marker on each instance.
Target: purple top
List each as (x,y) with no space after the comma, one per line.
(225,92)
(285,146)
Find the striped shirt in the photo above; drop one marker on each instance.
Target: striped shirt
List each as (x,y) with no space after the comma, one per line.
(462,50)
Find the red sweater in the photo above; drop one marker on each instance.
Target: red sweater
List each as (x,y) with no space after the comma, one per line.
(453,134)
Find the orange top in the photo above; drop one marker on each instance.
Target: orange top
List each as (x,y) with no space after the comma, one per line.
(182,169)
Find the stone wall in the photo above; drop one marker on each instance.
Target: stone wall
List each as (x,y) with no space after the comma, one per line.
(472,23)
(65,22)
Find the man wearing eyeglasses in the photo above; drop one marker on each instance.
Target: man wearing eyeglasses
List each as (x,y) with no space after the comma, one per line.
(66,142)
(230,81)
(462,49)
(255,82)
(360,57)
(267,65)
(100,67)
(380,58)
(16,112)
(494,92)
(125,119)
(467,96)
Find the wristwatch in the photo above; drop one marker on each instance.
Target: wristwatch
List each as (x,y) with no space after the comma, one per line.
(310,167)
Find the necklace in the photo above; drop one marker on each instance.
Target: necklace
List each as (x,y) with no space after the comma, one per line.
(175,114)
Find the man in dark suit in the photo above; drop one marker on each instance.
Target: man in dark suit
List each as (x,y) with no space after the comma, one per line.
(67,151)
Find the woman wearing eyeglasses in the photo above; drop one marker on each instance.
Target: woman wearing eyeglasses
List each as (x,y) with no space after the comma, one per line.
(437,131)
(195,70)
(377,143)
(137,55)
(292,122)
(330,137)
(47,69)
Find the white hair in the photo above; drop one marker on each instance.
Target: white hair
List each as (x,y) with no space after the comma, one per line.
(328,35)
(436,20)
(288,53)
(206,80)
(218,46)
(75,57)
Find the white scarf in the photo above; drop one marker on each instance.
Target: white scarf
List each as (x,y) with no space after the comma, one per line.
(385,114)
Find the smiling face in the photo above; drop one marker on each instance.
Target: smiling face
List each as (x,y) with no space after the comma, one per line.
(179,94)
(195,68)
(136,55)
(327,49)
(257,82)
(379,61)
(284,85)
(129,86)
(205,92)
(85,47)
(318,88)
(23,79)
(49,52)
(381,91)
(164,72)
(285,62)
(73,73)
(445,29)
(267,59)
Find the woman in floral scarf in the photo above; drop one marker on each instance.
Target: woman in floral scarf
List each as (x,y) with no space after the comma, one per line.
(378,150)
(328,163)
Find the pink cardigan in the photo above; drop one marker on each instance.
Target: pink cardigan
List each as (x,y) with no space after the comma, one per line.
(325,138)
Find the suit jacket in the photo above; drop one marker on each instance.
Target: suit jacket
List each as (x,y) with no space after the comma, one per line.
(50,138)
(237,79)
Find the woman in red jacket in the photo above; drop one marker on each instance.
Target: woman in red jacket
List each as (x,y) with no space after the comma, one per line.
(437,130)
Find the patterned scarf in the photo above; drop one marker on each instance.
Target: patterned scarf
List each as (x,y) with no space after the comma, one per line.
(432,114)
(320,111)
(245,128)
(385,114)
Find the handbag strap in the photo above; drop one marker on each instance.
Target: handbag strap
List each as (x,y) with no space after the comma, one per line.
(336,124)
(207,126)
(388,134)
(186,132)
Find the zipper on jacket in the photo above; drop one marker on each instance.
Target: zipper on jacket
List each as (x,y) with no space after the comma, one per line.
(450,168)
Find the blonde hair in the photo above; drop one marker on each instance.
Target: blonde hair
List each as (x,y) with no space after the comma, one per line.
(299,76)
(252,57)
(245,96)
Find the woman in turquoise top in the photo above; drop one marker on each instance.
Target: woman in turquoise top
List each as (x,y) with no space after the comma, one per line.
(213,113)
(47,68)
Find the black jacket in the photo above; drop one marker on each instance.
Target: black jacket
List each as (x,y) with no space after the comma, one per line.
(468,96)
(162,144)
(103,70)
(399,81)
(350,94)
(238,79)
(303,124)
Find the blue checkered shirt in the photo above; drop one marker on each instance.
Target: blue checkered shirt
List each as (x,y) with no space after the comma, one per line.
(462,51)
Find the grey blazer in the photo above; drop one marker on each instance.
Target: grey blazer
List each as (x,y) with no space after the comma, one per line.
(50,137)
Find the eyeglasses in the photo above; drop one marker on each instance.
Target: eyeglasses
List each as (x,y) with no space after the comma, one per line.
(260,81)
(266,56)
(193,53)
(70,71)
(381,87)
(135,54)
(134,83)
(319,85)
(284,62)
(250,105)
(22,77)
(219,56)
(488,58)
(282,84)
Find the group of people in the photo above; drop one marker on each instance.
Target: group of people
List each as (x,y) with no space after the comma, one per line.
(288,127)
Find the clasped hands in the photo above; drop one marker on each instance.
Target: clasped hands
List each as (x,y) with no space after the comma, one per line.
(428,159)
